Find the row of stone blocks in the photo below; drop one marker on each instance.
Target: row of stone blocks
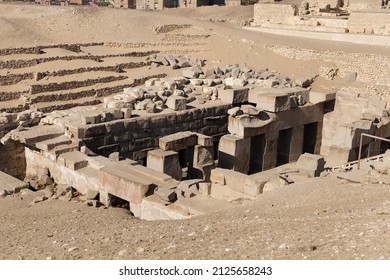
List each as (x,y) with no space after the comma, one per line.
(16,64)
(142,132)
(39,88)
(13,79)
(38,49)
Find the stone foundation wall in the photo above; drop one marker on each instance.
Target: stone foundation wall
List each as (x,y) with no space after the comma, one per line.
(375,22)
(273,13)
(12,160)
(7,96)
(16,78)
(364,4)
(34,89)
(38,49)
(134,137)
(17,64)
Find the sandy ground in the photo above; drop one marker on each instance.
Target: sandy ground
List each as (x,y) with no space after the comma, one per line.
(318,219)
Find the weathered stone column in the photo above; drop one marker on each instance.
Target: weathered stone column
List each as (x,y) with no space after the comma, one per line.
(270,150)
(296,142)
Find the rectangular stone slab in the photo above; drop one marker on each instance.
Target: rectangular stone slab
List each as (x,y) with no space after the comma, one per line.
(178,141)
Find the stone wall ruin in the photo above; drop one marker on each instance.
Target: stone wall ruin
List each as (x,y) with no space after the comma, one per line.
(175,147)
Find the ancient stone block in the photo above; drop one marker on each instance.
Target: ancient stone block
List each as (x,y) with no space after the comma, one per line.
(205,140)
(166,194)
(192,73)
(233,153)
(176,103)
(166,162)
(318,97)
(253,187)
(310,164)
(218,176)
(74,160)
(10,185)
(234,96)
(178,141)
(203,155)
(49,144)
(125,185)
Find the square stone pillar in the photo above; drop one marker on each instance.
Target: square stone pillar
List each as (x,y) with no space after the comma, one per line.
(296,147)
(234,153)
(319,138)
(270,150)
(166,162)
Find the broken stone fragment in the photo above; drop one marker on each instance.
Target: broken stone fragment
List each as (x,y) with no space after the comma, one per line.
(114,156)
(172,61)
(304,82)
(236,111)
(62,189)
(250,110)
(183,62)
(143,104)
(192,73)
(93,203)
(166,194)
(67,197)
(38,199)
(176,103)
(273,184)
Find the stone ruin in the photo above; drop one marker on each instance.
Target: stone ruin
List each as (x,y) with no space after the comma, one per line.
(355,16)
(175,147)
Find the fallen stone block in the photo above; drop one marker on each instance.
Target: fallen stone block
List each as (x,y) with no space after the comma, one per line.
(250,110)
(10,185)
(166,194)
(62,189)
(234,112)
(253,187)
(304,82)
(311,165)
(274,183)
(126,185)
(234,96)
(188,188)
(166,162)
(192,73)
(176,103)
